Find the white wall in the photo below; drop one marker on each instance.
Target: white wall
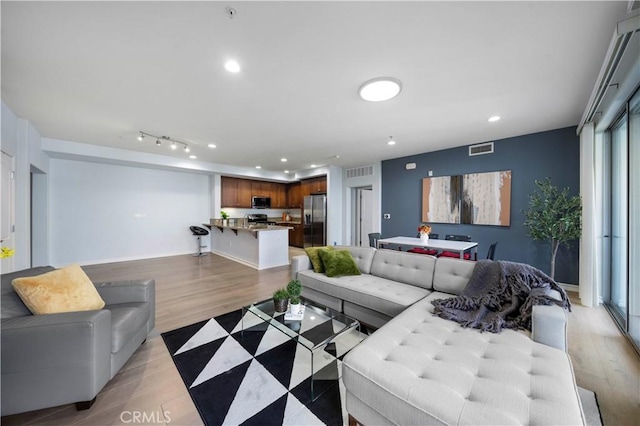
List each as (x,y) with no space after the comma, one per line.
(103,213)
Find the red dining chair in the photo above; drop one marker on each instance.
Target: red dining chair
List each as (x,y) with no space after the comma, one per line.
(422,250)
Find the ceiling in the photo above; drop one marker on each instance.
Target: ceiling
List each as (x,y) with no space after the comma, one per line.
(99,72)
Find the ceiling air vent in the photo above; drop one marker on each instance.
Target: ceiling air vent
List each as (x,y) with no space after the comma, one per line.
(359,172)
(480,149)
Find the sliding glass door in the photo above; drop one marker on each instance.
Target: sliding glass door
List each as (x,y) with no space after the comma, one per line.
(633,326)
(621,293)
(617,297)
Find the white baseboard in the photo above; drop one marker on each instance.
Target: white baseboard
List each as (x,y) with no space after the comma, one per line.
(570,287)
(127,258)
(235,259)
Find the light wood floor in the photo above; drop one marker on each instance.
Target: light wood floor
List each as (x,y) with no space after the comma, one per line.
(190,289)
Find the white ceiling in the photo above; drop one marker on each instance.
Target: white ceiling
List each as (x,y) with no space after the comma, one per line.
(98,72)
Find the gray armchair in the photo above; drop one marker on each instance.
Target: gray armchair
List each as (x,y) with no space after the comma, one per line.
(56,359)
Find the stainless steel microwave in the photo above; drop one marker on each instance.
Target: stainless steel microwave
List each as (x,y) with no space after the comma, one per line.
(261,202)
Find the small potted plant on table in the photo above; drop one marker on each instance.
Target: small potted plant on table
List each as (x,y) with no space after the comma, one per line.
(294,288)
(280,299)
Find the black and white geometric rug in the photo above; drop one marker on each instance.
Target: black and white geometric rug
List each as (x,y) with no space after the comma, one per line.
(257,377)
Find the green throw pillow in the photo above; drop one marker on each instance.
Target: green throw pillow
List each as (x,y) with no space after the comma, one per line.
(339,262)
(314,257)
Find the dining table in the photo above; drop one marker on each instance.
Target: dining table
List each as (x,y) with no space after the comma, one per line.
(432,243)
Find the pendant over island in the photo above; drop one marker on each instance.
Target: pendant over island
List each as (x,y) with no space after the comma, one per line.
(258,245)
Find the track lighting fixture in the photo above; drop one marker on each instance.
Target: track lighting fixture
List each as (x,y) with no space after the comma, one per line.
(160,139)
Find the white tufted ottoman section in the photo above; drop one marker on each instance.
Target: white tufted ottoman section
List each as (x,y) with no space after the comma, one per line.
(420,369)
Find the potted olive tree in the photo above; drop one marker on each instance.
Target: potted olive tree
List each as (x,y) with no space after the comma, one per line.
(553,216)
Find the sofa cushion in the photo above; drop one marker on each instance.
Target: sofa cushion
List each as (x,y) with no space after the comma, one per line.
(379,294)
(422,369)
(452,275)
(314,257)
(12,305)
(408,268)
(362,255)
(126,321)
(66,289)
(338,263)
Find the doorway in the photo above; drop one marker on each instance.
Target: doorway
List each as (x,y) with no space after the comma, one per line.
(7,213)
(364,215)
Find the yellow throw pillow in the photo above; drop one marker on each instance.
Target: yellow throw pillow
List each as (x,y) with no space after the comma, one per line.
(67,289)
(314,257)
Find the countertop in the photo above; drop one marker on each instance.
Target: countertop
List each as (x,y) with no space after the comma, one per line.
(242,225)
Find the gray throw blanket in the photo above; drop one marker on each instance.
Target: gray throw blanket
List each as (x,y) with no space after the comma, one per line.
(500,295)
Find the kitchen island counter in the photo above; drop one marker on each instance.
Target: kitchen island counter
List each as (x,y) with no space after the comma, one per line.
(258,245)
(241,225)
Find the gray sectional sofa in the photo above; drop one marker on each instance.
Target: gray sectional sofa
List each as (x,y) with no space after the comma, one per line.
(56,359)
(420,369)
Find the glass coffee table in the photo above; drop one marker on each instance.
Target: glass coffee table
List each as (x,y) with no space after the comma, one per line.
(321,329)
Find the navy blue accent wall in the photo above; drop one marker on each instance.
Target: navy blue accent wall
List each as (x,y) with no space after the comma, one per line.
(554,154)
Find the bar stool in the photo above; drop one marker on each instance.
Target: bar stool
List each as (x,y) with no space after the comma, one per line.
(199,232)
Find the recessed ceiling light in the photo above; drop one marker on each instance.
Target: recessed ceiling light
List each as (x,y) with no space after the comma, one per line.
(232,66)
(212,145)
(258,167)
(494,118)
(193,157)
(286,171)
(380,89)
(313,165)
(391,141)
(284,160)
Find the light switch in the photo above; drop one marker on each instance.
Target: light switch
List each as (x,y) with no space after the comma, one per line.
(387,216)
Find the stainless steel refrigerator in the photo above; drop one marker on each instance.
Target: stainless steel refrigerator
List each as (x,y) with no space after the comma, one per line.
(314,218)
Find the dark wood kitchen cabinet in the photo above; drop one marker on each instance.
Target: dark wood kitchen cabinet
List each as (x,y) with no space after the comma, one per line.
(317,185)
(235,192)
(296,237)
(278,196)
(260,188)
(294,196)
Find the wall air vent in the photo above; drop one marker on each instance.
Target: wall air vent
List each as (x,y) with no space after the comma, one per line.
(480,149)
(359,172)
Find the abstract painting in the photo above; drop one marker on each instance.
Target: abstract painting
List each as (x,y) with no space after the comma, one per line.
(486,198)
(441,199)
